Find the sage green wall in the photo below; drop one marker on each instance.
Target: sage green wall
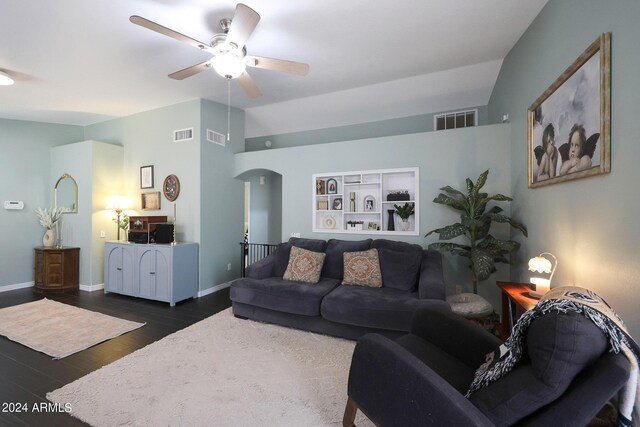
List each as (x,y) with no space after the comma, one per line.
(444,158)
(147,139)
(399,126)
(591,224)
(265,220)
(221,196)
(97,169)
(24,170)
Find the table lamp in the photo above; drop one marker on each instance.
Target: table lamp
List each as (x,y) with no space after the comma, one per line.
(541,265)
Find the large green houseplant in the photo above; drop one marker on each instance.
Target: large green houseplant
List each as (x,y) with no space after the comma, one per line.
(482,249)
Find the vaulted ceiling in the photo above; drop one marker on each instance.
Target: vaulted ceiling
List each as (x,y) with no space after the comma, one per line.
(81,62)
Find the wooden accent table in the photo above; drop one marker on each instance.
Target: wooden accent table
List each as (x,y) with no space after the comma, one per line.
(515,301)
(57,269)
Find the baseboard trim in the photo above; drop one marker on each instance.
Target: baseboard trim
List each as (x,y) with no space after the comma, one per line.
(16,286)
(213,289)
(92,288)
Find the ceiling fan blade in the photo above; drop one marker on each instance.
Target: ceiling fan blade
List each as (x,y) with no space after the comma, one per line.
(143,22)
(190,71)
(249,85)
(243,23)
(291,67)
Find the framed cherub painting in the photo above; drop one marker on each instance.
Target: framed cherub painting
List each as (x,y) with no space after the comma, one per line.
(569,125)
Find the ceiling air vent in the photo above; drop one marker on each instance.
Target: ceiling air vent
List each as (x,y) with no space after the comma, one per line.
(182,135)
(216,138)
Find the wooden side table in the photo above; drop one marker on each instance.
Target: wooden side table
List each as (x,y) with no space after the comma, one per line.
(57,269)
(515,301)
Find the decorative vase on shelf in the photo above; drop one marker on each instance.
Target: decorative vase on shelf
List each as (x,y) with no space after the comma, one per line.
(404,225)
(390,225)
(352,204)
(48,239)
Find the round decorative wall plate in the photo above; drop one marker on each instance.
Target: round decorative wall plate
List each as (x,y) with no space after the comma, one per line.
(171,188)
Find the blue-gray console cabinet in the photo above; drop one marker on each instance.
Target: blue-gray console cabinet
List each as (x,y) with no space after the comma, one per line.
(159,272)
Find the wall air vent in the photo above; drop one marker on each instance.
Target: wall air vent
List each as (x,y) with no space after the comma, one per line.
(216,138)
(182,135)
(455,120)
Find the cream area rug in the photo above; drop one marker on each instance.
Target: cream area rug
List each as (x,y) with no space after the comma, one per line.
(221,371)
(57,329)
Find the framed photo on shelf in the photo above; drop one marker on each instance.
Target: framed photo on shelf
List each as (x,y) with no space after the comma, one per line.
(337,204)
(332,186)
(373,225)
(151,201)
(569,125)
(320,186)
(323,205)
(369,204)
(146,176)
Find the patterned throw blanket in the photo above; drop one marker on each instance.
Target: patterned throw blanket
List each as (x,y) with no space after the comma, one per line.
(588,303)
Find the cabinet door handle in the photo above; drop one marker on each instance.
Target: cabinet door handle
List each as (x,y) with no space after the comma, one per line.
(119,268)
(152,272)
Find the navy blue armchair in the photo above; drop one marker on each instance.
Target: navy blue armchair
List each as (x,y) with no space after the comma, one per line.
(565,376)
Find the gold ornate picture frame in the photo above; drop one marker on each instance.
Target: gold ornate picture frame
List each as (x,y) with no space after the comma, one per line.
(569,125)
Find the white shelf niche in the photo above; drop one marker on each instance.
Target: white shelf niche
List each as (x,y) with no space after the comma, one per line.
(370,189)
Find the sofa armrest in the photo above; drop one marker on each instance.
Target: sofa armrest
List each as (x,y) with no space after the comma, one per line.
(394,388)
(431,281)
(454,334)
(263,268)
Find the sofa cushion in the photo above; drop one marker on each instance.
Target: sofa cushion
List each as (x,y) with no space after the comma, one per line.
(382,308)
(333,264)
(362,268)
(304,266)
(400,269)
(558,347)
(278,294)
(395,245)
(284,250)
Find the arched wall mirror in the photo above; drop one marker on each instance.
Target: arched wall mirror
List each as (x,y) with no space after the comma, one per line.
(65,194)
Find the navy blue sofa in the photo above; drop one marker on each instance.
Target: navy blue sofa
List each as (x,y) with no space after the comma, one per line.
(411,275)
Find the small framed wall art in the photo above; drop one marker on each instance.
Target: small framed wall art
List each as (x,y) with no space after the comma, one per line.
(146,176)
(150,201)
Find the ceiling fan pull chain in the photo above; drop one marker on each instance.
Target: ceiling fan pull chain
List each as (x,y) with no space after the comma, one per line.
(228,109)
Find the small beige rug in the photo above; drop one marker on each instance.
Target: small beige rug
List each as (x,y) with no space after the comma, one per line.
(221,371)
(57,329)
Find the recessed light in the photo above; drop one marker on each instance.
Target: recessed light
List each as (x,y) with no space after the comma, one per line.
(5,79)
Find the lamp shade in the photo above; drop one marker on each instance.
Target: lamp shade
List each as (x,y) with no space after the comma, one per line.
(542,265)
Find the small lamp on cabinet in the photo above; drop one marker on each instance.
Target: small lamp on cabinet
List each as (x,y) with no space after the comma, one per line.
(542,266)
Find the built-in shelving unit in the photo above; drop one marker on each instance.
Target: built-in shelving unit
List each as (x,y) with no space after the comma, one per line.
(370,190)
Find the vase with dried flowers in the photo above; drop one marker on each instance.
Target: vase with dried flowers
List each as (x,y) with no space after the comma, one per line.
(48,218)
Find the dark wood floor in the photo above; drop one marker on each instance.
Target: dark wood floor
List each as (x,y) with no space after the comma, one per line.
(26,376)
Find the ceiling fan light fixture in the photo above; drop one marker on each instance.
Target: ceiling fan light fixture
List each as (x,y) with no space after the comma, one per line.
(5,79)
(228,61)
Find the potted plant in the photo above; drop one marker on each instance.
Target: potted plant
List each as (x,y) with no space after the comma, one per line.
(404,212)
(355,225)
(482,249)
(48,217)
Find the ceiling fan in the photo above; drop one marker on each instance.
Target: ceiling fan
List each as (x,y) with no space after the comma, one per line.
(228,52)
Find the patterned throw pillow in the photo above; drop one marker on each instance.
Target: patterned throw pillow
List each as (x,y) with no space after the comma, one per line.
(304,265)
(362,268)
